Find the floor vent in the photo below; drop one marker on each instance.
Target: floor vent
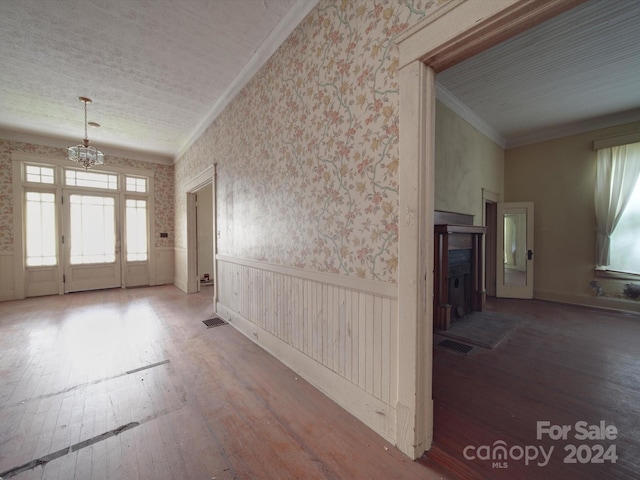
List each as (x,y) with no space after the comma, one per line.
(214,322)
(456,346)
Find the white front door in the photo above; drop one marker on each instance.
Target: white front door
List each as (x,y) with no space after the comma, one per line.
(514,265)
(91,241)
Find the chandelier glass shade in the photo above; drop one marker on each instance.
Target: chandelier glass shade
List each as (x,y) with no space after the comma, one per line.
(84,154)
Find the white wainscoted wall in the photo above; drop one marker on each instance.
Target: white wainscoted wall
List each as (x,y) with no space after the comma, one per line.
(165,266)
(7,288)
(180,269)
(337,332)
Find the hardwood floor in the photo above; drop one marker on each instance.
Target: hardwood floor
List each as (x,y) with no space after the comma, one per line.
(564,365)
(129,384)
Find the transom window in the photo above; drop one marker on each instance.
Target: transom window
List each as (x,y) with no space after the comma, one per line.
(37,174)
(78,178)
(136,184)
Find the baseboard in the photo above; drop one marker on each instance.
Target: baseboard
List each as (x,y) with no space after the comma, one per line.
(604,302)
(374,413)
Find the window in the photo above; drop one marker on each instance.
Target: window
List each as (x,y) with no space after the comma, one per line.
(136,184)
(36,174)
(136,230)
(40,220)
(624,251)
(617,200)
(78,178)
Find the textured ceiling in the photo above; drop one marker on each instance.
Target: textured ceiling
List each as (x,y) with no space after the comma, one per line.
(159,71)
(576,72)
(154,68)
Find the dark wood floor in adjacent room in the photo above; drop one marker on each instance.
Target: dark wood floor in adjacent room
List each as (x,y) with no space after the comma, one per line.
(564,364)
(129,384)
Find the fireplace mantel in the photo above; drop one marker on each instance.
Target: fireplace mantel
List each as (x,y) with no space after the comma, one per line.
(448,238)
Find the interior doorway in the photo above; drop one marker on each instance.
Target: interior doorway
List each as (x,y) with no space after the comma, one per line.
(201,233)
(490,212)
(204,235)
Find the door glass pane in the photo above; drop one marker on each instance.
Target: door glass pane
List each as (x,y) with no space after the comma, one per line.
(515,249)
(92,224)
(136,230)
(40,219)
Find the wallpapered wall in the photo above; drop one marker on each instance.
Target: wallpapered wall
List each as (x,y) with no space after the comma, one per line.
(307,153)
(163,183)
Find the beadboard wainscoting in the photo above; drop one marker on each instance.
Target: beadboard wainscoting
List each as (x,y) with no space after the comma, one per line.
(180,268)
(7,287)
(164,265)
(337,332)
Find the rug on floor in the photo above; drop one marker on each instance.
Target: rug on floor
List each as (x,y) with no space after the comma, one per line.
(483,329)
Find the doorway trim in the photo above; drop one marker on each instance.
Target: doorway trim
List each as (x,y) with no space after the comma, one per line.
(203,179)
(456,31)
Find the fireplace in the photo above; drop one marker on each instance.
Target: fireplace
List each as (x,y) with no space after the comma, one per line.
(457,268)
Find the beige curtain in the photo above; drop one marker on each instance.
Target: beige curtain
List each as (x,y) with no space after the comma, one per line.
(617,172)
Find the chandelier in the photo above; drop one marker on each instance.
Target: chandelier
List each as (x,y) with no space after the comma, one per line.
(84,154)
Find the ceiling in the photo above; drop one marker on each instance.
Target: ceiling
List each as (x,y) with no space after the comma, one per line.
(577,72)
(159,71)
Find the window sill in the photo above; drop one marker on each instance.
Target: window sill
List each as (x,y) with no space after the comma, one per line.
(614,275)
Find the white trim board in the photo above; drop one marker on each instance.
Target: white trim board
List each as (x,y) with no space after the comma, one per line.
(383,289)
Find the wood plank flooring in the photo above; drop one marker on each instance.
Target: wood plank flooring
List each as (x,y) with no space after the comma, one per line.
(129,384)
(564,364)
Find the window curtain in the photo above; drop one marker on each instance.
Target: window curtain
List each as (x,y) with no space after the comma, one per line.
(617,172)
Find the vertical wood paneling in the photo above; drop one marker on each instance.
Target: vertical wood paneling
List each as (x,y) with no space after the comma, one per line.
(369,347)
(384,356)
(351,332)
(355,321)
(7,290)
(362,340)
(376,359)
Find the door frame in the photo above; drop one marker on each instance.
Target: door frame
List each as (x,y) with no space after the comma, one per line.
(203,179)
(457,30)
(506,291)
(490,214)
(20,271)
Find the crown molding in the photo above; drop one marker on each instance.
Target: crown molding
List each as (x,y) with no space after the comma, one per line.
(574,128)
(63,142)
(468,115)
(288,23)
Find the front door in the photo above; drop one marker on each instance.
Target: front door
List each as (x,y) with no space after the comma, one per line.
(514,265)
(91,242)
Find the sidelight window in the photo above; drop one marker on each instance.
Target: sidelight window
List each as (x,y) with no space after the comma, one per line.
(40,226)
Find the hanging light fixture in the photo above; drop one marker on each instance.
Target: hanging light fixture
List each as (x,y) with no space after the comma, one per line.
(84,154)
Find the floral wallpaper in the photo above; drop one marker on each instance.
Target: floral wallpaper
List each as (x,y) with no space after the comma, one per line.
(307,154)
(163,186)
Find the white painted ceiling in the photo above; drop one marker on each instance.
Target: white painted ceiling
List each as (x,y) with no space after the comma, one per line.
(159,71)
(576,72)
